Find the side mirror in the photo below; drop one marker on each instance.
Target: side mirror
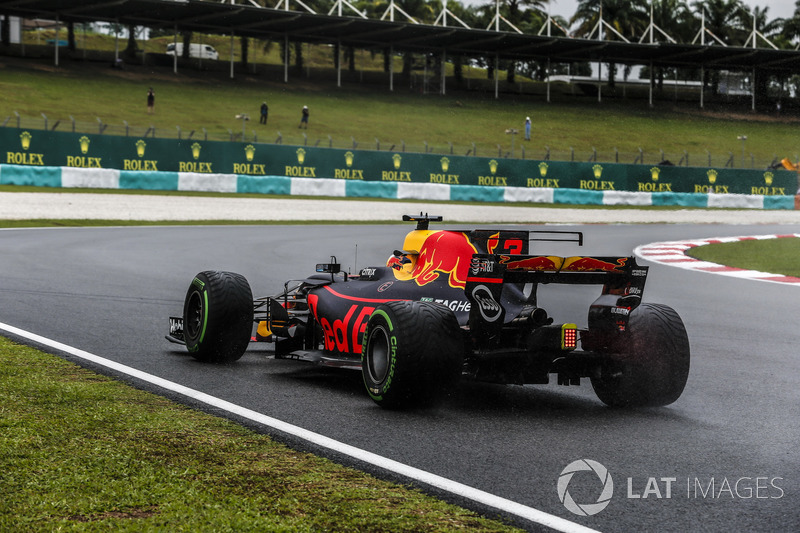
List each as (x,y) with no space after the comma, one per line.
(332,267)
(329,268)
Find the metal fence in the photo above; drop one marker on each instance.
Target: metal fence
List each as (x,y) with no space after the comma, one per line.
(514,149)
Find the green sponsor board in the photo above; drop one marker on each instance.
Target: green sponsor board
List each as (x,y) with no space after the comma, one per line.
(254,160)
(60,149)
(699,180)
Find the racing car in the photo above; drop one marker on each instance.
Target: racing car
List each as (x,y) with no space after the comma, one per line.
(452,305)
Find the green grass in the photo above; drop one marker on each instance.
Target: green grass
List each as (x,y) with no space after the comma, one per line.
(82,452)
(365,112)
(777,256)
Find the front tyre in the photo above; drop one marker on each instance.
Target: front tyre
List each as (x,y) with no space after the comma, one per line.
(651,365)
(412,354)
(218,316)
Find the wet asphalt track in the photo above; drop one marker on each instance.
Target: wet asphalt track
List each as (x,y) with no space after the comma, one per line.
(109,291)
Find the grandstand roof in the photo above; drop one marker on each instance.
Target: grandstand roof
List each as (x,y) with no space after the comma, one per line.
(266,23)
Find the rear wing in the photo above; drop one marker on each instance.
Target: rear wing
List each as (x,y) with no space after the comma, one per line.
(622,279)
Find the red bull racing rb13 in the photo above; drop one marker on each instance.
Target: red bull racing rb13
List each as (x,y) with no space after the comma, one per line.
(452,305)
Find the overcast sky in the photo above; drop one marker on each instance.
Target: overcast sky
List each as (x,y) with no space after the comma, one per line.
(777,8)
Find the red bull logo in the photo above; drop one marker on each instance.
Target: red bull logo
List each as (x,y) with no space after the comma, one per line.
(537,263)
(592,264)
(552,263)
(492,242)
(395,262)
(443,253)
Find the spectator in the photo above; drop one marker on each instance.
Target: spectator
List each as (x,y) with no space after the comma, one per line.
(264,111)
(304,118)
(151,101)
(527,128)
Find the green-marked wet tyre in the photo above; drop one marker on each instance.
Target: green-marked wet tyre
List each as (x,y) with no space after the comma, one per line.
(651,363)
(412,354)
(218,316)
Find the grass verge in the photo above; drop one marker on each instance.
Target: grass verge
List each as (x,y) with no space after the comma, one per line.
(372,115)
(777,256)
(82,452)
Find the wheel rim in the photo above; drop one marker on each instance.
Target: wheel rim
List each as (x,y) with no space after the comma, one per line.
(194,315)
(378,355)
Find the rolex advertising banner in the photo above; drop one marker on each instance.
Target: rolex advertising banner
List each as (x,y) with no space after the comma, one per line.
(138,156)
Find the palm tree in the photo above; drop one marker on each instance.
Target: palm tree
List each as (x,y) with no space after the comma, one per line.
(131,48)
(187,42)
(516,8)
(770,29)
(421,11)
(71,36)
(469,15)
(675,19)
(517,12)
(725,19)
(791,26)
(628,17)
(5,31)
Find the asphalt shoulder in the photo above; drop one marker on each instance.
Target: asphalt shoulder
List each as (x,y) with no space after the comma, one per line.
(144,207)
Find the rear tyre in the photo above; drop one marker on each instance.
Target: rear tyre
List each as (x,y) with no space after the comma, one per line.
(218,316)
(651,365)
(411,355)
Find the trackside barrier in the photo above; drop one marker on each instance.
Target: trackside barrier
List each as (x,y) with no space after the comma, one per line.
(282,185)
(65,159)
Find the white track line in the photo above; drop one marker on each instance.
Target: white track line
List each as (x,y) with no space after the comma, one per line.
(673,253)
(501,504)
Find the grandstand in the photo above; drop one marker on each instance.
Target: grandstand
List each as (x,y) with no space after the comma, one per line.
(448,37)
